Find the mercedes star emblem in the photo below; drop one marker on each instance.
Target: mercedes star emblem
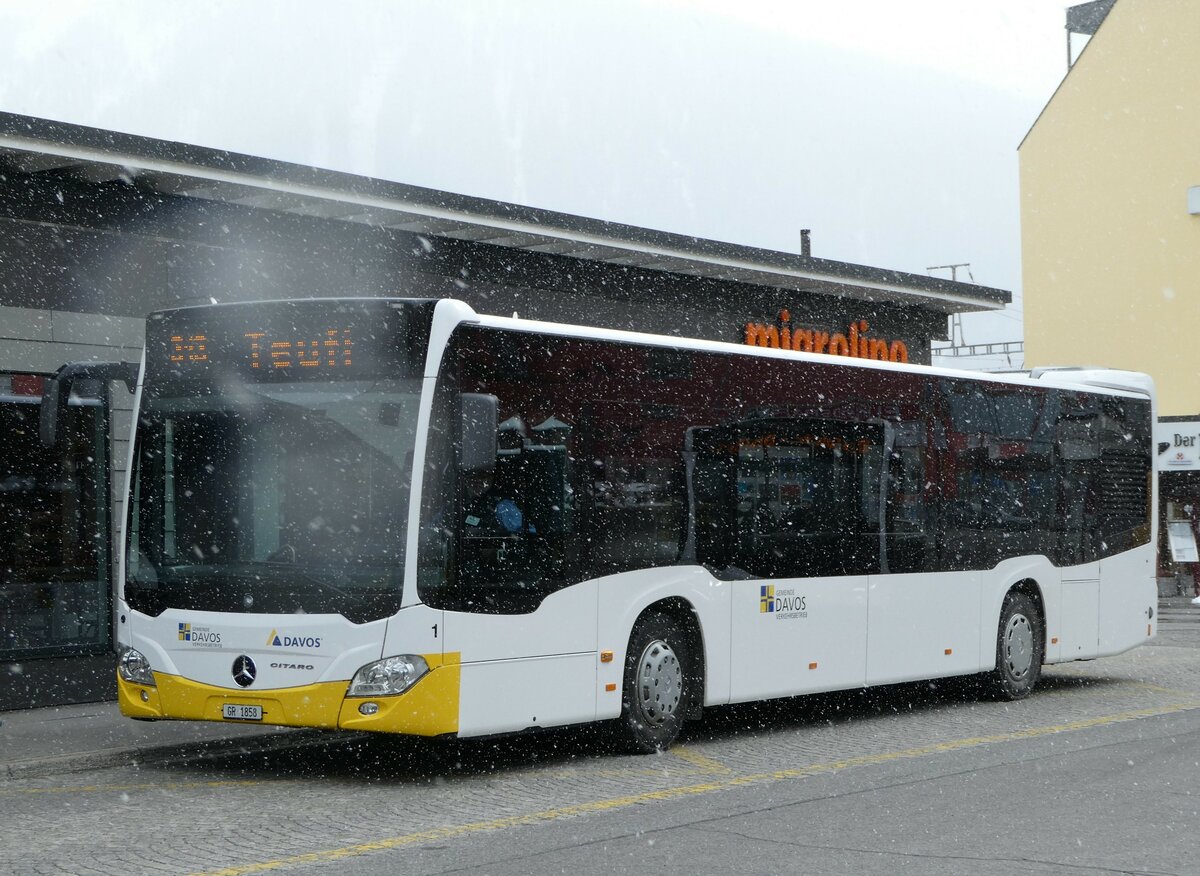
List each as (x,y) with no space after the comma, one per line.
(244,671)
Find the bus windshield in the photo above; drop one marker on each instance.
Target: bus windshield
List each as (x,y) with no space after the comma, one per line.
(283,497)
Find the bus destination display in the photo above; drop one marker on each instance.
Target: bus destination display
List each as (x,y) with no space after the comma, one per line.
(283,341)
(324,349)
(330,349)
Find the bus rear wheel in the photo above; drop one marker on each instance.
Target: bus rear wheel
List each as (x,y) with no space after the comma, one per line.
(656,695)
(1019,648)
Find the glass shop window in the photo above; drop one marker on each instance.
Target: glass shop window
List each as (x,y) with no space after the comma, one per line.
(54,569)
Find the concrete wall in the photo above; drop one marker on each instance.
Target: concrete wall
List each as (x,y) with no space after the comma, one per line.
(1111,255)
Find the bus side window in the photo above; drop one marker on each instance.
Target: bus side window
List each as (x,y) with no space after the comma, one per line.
(808,498)
(712,475)
(906,514)
(1009,488)
(516,525)
(436,571)
(636,486)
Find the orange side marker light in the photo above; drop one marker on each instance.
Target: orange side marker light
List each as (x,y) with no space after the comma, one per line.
(812,666)
(611,686)
(606,656)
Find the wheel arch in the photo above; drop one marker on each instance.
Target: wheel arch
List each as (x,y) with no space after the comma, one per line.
(683,612)
(1031,588)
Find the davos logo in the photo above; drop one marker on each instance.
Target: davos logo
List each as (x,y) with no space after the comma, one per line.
(783,604)
(766,599)
(278,640)
(198,636)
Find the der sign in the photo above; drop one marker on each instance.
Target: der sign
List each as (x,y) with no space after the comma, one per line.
(1178,445)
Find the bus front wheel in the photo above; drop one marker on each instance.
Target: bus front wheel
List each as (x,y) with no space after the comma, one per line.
(656,695)
(1019,648)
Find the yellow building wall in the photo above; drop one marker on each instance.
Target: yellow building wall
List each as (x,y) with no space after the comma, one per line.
(1111,257)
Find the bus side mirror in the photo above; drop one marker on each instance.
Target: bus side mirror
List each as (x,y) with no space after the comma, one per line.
(480,413)
(58,390)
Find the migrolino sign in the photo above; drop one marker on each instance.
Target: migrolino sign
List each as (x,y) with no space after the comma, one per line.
(853,342)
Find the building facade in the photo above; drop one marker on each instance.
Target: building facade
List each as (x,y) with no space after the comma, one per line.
(1110,235)
(99,228)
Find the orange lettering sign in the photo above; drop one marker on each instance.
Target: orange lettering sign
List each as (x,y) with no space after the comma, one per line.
(852,343)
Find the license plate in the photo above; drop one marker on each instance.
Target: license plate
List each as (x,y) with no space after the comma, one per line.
(234,712)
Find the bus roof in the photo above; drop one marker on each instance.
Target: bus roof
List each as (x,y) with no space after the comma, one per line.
(1112,381)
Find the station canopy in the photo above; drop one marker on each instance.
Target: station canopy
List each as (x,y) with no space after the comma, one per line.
(41,147)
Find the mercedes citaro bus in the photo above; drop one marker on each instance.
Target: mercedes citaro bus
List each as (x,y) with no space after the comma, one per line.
(402,516)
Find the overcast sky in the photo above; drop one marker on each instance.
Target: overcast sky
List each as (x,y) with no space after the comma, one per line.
(888,128)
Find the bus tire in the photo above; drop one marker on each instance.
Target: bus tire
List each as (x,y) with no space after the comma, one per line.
(1019,648)
(656,695)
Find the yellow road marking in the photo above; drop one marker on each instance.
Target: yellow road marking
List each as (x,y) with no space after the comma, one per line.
(1085,686)
(443,833)
(706,764)
(1170,691)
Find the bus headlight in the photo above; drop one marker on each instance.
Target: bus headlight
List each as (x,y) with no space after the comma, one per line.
(388,677)
(135,668)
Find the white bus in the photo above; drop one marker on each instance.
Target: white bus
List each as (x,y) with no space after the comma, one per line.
(401,516)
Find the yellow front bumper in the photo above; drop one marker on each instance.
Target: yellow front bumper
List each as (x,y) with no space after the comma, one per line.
(428,708)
